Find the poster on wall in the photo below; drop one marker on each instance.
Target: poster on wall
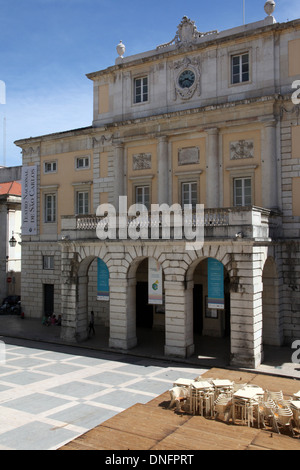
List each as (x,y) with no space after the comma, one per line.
(215,280)
(102,281)
(29,200)
(155,288)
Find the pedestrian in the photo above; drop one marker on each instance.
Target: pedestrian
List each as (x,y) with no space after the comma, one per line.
(91,324)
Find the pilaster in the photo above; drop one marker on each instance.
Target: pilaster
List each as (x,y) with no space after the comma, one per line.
(212,168)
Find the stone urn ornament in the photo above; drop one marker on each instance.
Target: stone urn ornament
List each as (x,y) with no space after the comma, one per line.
(121,49)
(270,7)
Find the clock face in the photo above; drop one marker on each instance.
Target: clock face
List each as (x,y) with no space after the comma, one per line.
(186,79)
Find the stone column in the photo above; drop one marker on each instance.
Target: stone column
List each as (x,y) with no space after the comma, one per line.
(246,313)
(179,321)
(122,313)
(162,168)
(269,166)
(212,168)
(68,294)
(119,187)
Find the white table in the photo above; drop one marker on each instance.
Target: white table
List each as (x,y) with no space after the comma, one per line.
(222,383)
(245,398)
(297,395)
(248,393)
(295,404)
(202,397)
(183,383)
(203,385)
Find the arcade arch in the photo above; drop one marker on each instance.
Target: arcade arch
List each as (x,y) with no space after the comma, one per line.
(271,318)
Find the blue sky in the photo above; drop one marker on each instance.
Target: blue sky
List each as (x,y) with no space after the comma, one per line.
(48,46)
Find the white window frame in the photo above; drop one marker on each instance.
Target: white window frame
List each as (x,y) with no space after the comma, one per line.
(243,195)
(52,167)
(190,192)
(145,198)
(144,97)
(48,262)
(85,162)
(85,209)
(50,211)
(240,75)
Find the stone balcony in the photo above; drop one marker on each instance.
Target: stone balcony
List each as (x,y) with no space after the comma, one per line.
(253,223)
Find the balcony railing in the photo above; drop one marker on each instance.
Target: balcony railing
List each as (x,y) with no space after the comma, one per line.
(234,222)
(212,218)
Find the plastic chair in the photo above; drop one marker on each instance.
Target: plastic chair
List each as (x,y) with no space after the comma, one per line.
(283,418)
(223,407)
(296,413)
(275,396)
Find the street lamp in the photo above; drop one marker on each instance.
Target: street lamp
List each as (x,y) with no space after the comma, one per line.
(12,242)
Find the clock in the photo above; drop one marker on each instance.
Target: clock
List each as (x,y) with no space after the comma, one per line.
(186,79)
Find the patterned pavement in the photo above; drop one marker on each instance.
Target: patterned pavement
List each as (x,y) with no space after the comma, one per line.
(51,394)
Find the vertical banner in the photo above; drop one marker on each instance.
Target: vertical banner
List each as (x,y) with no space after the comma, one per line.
(29,200)
(215,280)
(155,288)
(102,281)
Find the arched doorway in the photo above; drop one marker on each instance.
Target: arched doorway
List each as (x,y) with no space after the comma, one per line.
(93,295)
(149,317)
(271,324)
(208,321)
(211,326)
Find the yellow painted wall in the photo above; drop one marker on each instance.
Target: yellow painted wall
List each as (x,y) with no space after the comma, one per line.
(103,165)
(296,196)
(188,172)
(65,176)
(136,176)
(103,98)
(241,164)
(294,54)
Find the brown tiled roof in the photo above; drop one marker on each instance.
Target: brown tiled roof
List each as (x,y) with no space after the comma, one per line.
(12,188)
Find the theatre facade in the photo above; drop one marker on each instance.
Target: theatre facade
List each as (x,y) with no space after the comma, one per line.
(207,120)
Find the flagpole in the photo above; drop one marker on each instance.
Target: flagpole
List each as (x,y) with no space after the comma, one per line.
(244,11)
(4,141)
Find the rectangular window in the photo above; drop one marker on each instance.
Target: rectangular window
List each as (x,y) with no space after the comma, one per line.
(50,167)
(141,90)
(242,191)
(82,163)
(48,262)
(240,68)
(142,195)
(50,208)
(189,194)
(82,202)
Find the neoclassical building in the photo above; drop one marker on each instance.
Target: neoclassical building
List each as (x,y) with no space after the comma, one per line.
(206,119)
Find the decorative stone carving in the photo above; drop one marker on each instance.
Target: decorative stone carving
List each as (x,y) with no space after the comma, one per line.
(241,149)
(190,66)
(186,32)
(141,161)
(101,140)
(121,49)
(269,7)
(31,151)
(188,156)
(186,35)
